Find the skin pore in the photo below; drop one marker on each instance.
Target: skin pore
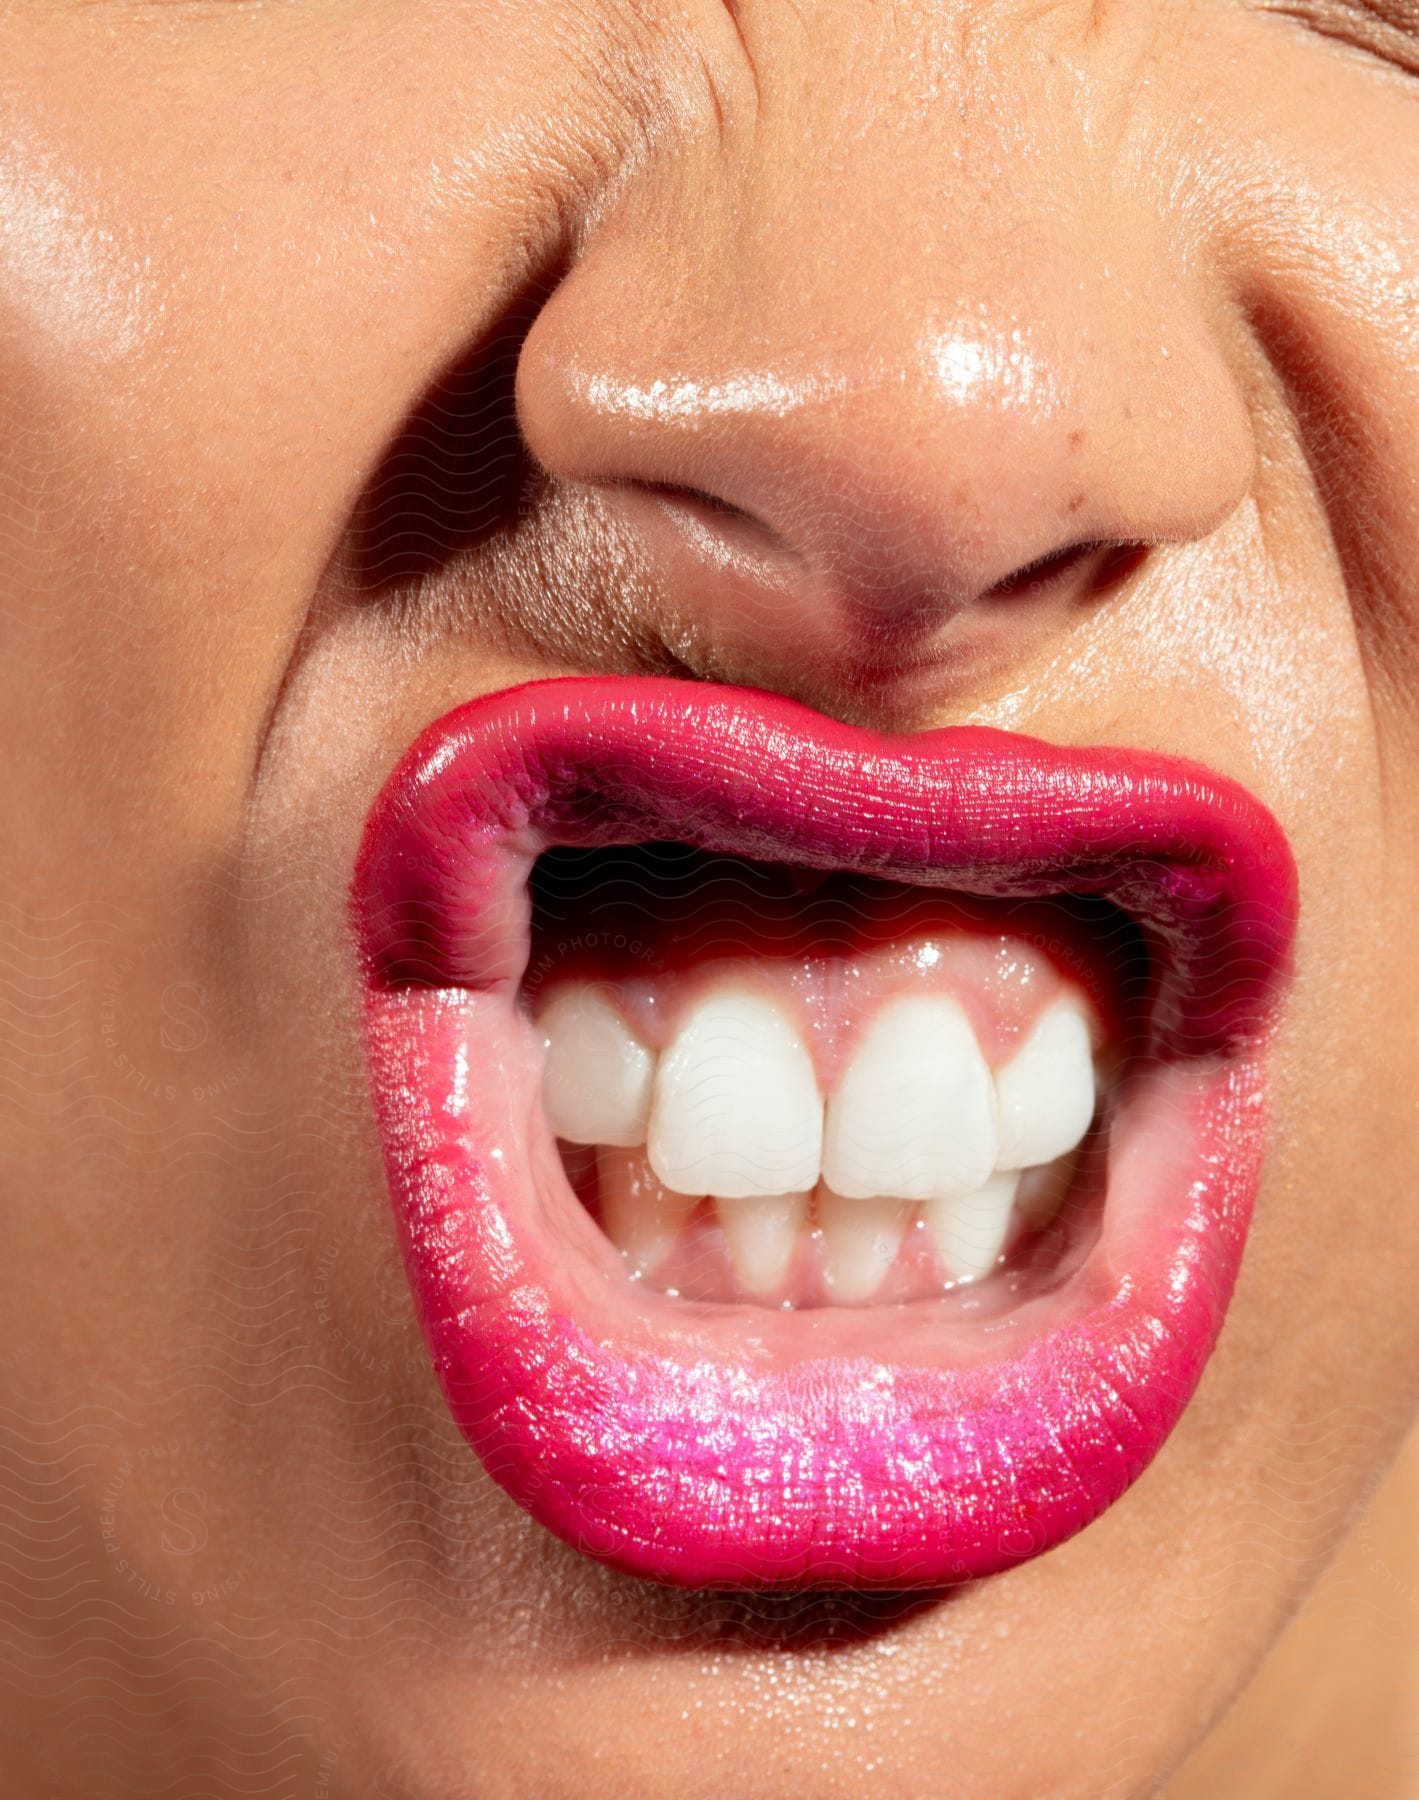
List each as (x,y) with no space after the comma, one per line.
(821,323)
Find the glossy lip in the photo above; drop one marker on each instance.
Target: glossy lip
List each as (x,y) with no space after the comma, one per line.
(733,1445)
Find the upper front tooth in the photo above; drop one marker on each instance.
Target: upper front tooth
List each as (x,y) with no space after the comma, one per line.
(1045,1093)
(914,1115)
(596,1085)
(736,1108)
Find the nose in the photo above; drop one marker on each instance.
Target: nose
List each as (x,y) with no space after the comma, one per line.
(851,423)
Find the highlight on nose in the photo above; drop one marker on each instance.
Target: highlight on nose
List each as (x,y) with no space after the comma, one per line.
(844,480)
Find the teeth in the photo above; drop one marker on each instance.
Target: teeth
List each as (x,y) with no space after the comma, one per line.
(596,1086)
(762,1232)
(969,1231)
(736,1110)
(1045,1092)
(914,1114)
(861,1239)
(917,1128)
(638,1213)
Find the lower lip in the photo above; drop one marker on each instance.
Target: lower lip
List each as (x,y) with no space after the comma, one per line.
(735,1446)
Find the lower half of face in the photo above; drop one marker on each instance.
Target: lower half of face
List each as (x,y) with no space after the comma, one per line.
(759,664)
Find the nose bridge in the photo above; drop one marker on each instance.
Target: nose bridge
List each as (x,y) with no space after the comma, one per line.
(923,347)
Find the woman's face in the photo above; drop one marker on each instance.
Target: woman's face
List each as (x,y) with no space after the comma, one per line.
(821,323)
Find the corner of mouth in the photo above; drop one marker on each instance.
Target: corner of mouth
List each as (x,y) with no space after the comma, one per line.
(915,1437)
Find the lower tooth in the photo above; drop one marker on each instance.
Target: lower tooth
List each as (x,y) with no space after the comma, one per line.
(861,1239)
(970,1231)
(762,1233)
(640,1215)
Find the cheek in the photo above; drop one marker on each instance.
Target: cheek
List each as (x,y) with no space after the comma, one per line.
(183,313)
(1328,272)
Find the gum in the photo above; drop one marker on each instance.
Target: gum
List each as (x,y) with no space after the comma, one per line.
(1002,982)
(828,949)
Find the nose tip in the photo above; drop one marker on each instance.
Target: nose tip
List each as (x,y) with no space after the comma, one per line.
(839,483)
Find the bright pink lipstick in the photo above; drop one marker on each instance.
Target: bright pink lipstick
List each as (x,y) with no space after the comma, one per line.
(726,1444)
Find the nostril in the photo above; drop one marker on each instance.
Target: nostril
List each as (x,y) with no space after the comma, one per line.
(1111,562)
(1042,571)
(701,499)
(716,533)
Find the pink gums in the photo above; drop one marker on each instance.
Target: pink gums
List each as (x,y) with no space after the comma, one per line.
(873,1447)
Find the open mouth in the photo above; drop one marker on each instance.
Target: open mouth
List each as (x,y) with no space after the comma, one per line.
(830,1091)
(820,1158)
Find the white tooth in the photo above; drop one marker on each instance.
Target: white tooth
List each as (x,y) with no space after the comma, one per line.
(861,1239)
(914,1114)
(969,1231)
(1045,1093)
(762,1234)
(638,1213)
(736,1108)
(597,1081)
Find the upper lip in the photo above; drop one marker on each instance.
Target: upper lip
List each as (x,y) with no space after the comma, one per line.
(1190,856)
(440,902)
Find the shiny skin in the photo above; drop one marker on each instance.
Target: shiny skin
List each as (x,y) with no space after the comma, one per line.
(905,278)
